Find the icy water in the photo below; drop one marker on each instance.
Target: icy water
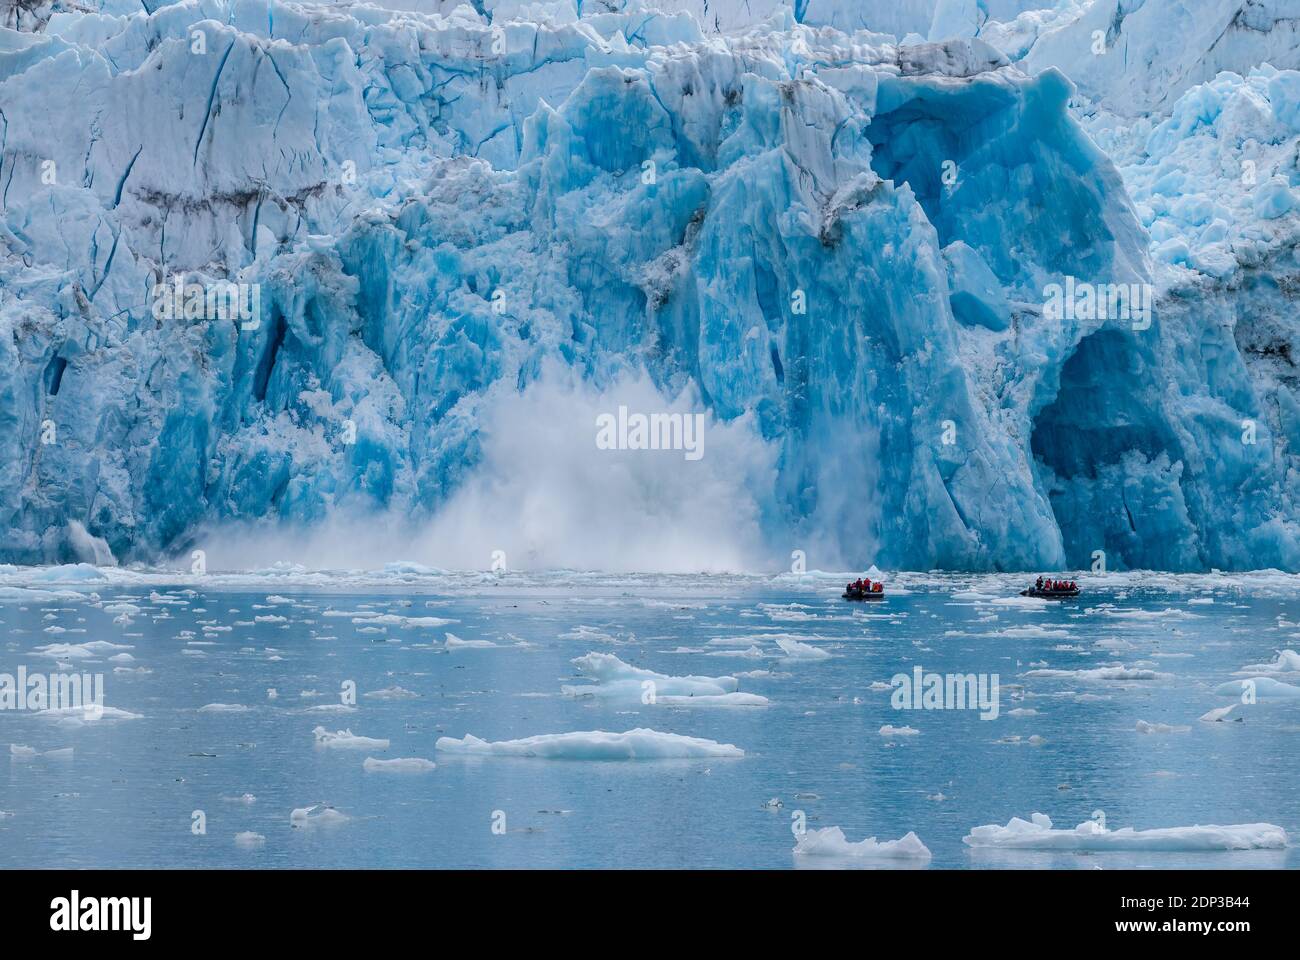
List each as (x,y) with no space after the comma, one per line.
(128,795)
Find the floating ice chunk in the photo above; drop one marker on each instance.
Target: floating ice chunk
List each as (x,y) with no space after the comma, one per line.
(890,731)
(68,573)
(715,700)
(752,653)
(80,651)
(224,708)
(830,842)
(1169,613)
(1025,603)
(250,839)
(1219,713)
(1038,834)
(1032,633)
(22,752)
(393,693)
(1288,661)
(796,650)
(88,713)
(730,642)
(638,744)
(456,643)
(1145,727)
(584,632)
(398,765)
(395,620)
(346,739)
(317,815)
(618,680)
(1100,673)
(605,667)
(1262,687)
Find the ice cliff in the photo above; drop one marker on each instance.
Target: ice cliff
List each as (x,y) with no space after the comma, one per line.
(832,242)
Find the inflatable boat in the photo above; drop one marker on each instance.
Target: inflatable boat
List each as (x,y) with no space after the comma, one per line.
(1050,594)
(864,595)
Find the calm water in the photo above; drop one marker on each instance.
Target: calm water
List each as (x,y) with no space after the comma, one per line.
(127,795)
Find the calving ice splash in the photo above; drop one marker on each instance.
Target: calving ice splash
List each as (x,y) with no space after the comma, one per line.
(946,691)
(653,431)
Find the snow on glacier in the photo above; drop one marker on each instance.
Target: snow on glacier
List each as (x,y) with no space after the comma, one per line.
(456,220)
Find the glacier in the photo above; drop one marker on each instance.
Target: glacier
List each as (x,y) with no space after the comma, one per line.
(826,226)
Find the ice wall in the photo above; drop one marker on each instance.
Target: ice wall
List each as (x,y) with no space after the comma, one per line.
(832,243)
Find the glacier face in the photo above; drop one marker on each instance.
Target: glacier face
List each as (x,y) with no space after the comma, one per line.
(833,244)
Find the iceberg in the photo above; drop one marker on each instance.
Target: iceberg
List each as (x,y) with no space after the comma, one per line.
(831,842)
(456,643)
(1263,687)
(638,744)
(317,815)
(798,650)
(1287,661)
(1037,833)
(888,730)
(1119,672)
(347,740)
(1145,726)
(618,680)
(398,765)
